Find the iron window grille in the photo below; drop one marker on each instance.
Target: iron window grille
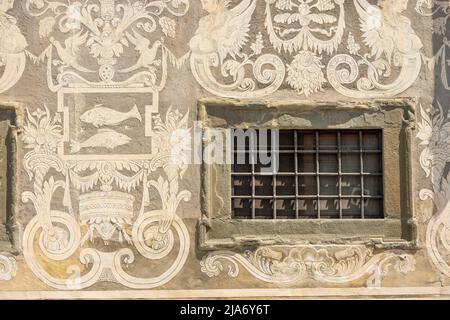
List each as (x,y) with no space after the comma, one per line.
(321,174)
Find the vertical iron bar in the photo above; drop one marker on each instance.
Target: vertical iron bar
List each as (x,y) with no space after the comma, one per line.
(252,162)
(340,173)
(296,172)
(274,195)
(274,183)
(361,163)
(317,174)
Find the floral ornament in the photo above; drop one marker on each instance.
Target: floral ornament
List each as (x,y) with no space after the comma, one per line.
(42,132)
(168,26)
(324,5)
(305,73)
(434,133)
(100,27)
(284,5)
(173,138)
(106,47)
(258,45)
(352,46)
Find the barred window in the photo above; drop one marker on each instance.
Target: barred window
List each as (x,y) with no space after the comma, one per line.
(307,172)
(313,174)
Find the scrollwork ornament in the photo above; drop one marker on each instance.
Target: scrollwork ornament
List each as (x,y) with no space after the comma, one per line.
(293,264)
(104,30)
(220,46)
(401,51)
(8,267)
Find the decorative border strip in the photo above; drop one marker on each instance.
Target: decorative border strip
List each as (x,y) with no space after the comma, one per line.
(399,292)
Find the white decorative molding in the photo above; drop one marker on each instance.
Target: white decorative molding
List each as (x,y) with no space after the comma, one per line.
(293,264)
(8,267)
(307,30)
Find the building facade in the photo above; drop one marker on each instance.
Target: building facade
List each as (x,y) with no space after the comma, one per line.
(122,123)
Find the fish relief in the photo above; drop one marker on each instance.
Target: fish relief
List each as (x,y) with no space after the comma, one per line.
(101,116)
(106,138)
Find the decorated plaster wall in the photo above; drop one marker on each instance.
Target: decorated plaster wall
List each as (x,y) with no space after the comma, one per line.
(110,91)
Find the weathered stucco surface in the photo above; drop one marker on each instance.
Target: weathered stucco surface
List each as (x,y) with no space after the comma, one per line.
(97,97)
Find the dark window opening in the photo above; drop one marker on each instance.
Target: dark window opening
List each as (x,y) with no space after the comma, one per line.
(322,174)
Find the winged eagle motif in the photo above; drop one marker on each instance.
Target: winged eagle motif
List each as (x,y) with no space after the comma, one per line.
(385,30)
(392,41)
(224,31)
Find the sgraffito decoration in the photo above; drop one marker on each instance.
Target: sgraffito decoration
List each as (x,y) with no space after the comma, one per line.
(306,31)
(293,264)
(440,12)
(98,33)
(106,208)
(229,54)
(392,43)
(218,44)
(91,185)
(434,134)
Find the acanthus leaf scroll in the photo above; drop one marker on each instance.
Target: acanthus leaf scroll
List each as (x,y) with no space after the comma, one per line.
(218,43)
(393,43)
(293,264)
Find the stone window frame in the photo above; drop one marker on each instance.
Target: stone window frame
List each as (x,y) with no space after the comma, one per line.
(13,227)
(217,229)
